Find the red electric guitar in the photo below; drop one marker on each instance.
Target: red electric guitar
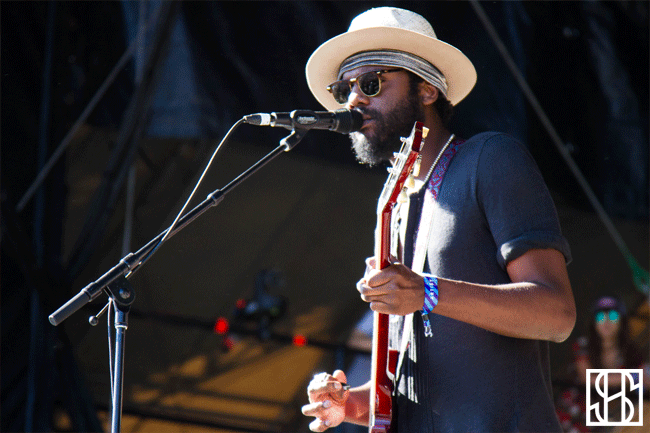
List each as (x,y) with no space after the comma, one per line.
(384,361)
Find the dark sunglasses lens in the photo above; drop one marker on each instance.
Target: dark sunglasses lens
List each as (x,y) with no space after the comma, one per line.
(369,83)
(340,90)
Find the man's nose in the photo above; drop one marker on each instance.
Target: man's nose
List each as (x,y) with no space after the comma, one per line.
(356,98)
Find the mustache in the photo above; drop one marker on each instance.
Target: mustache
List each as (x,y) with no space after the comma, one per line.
(368,112)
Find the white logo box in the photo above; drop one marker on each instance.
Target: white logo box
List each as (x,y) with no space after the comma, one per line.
(630,395)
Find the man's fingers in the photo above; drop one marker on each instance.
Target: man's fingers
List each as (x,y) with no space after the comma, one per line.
(319,425)
(340,376)
(381,307)
(316,409)
(368,292)
(324,387)
(327,387)
(376,278)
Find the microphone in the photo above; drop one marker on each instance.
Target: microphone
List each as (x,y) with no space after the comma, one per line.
(342,120)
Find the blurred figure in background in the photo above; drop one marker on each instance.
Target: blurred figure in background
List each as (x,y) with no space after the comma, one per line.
(608,345)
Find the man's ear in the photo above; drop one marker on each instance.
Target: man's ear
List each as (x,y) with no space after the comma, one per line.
(428,93)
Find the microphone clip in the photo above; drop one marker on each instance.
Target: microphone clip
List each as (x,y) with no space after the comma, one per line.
(290,141)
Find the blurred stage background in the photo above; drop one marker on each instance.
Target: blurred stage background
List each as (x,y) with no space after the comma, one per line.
(300,229)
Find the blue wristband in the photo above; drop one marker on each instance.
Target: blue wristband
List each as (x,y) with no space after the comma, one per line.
(430,302)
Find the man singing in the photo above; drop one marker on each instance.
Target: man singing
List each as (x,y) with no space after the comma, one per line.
(491,289)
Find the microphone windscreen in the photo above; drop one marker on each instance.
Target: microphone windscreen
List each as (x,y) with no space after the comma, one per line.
(349,120)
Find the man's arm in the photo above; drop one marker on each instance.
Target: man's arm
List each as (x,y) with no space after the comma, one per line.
(537,304)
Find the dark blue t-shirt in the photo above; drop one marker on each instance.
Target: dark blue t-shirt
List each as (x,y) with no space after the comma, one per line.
(492,207)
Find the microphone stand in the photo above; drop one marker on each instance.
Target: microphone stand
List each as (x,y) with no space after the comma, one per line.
(119,290)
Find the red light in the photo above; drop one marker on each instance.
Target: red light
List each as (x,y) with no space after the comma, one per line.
(221,326)
(299,340)
(241,304)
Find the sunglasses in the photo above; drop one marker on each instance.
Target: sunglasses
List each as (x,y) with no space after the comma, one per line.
(369,83)
(611,315)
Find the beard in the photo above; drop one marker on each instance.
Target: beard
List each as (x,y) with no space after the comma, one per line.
(388,129)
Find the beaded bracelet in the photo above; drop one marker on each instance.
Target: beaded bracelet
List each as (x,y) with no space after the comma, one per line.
(430,302)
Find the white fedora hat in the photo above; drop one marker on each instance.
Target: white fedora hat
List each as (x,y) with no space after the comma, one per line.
(389,28)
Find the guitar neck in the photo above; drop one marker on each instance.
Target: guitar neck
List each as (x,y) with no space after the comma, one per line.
(383,359)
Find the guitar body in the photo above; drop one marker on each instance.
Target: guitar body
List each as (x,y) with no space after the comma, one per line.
(384,360)
(381,411)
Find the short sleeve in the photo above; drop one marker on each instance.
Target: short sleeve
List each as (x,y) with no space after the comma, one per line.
(515,200)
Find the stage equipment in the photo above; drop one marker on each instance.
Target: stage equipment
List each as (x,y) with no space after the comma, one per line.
(121,295)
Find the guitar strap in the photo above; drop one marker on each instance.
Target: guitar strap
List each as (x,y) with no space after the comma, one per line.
(418,266)
(423,236)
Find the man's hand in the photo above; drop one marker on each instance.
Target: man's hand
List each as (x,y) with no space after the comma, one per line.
(393,290)
(327,399)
